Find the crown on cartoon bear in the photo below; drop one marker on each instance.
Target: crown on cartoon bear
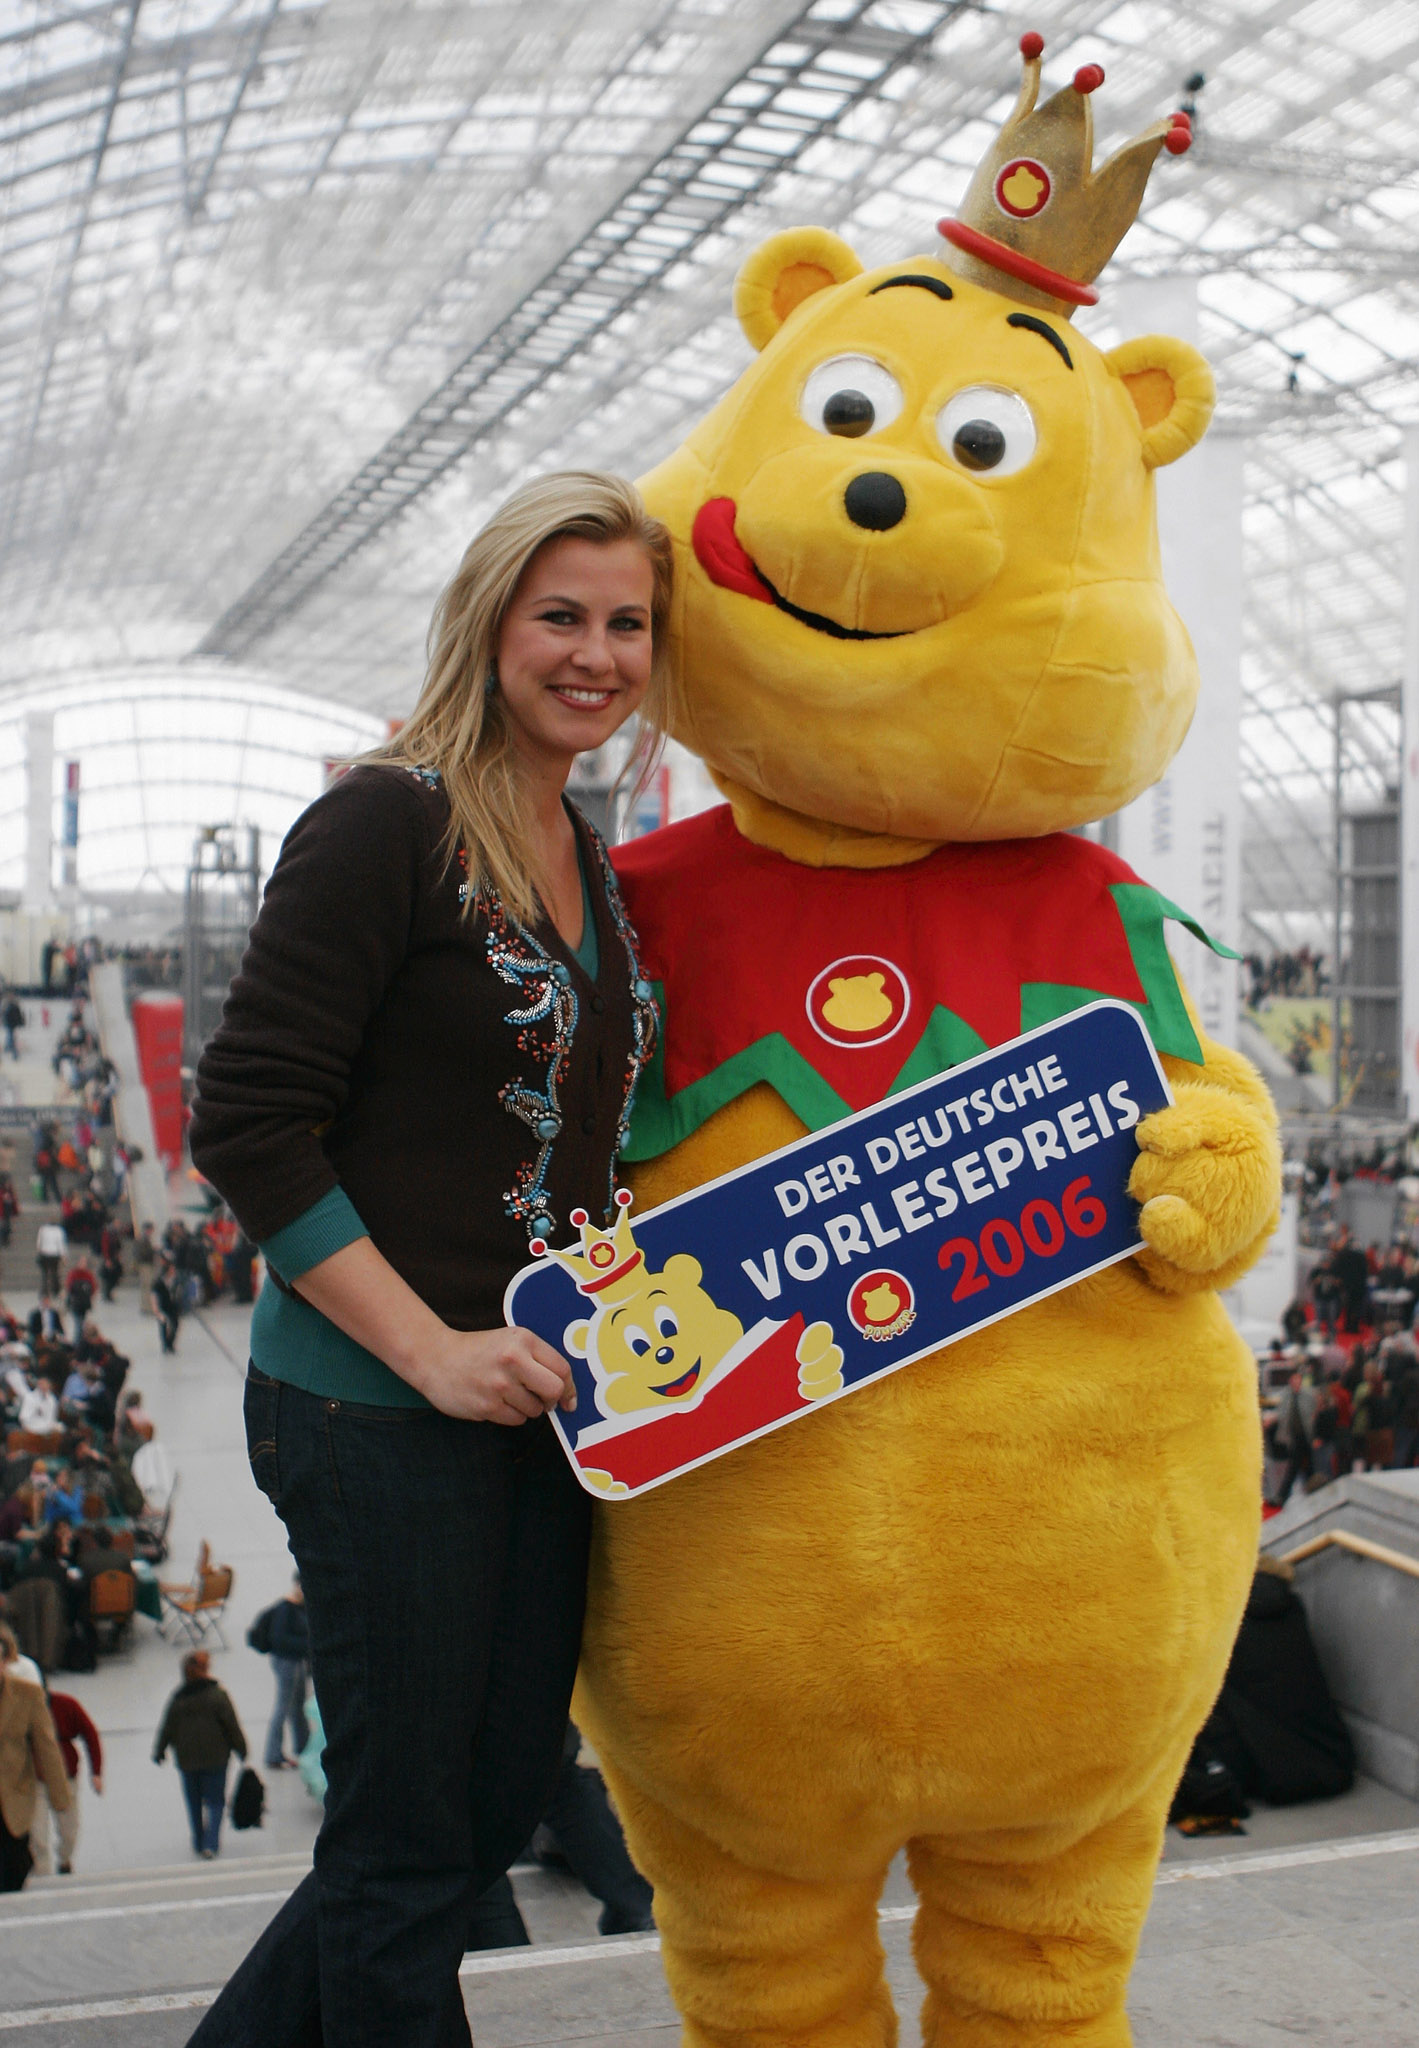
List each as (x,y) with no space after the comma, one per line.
(1038,222)
(606,1257)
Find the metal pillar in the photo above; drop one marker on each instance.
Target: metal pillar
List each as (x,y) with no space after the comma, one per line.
(222,898)
(1409,789)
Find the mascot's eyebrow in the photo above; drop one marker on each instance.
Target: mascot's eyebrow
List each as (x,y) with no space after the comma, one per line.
(928,284)
(1039,327)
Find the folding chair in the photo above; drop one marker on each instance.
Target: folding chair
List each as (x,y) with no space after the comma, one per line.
(196,1611)
(46,1444)
(154,1472)
(112,1599)
(174,1588)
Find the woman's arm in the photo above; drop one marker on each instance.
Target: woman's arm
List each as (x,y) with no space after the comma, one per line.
(332,932)
(477,1375)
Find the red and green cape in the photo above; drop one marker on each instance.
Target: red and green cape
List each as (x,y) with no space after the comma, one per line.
(842,986)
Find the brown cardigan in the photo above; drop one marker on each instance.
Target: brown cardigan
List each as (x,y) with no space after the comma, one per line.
(27,1739)
(459,1079)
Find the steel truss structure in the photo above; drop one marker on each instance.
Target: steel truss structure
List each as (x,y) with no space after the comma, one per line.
(293,288)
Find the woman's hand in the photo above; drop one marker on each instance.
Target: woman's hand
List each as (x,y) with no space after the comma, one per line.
(506,1376)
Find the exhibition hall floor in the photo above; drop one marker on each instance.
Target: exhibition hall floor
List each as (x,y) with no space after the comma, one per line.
(1305,1930)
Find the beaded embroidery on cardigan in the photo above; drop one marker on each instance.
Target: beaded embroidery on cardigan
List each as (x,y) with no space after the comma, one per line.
(519,959)
(645,1016)
(514,954)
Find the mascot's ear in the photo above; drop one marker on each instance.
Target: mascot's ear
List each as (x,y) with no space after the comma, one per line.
(575,1338)
(683,1271)
(783,272)
(1172,391)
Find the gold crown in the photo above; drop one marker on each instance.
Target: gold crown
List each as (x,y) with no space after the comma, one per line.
(607,1258)
(1038,222)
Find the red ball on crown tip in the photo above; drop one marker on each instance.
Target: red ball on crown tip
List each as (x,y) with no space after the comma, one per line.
(624,1198)
(577,1218)
(1031,46)
(1178,141)
(1088,78)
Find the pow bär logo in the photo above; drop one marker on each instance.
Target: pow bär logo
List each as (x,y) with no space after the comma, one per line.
(882,1305)
(1023,188)
(860,1000)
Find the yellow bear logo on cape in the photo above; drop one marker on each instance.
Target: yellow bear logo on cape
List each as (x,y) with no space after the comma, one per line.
(857,1002)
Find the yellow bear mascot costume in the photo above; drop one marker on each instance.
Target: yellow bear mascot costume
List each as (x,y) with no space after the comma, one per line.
(979,1609)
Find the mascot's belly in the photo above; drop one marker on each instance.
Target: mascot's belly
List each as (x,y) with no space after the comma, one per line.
(994,1591)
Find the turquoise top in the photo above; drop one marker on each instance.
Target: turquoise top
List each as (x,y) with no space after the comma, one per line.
(294,1342)
(588,954)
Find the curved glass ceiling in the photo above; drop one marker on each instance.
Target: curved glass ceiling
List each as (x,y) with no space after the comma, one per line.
(245,240)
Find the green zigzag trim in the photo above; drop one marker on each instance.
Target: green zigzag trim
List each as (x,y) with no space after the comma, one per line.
(660,1121)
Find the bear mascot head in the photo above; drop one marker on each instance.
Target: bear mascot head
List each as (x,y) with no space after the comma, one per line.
(978,1610)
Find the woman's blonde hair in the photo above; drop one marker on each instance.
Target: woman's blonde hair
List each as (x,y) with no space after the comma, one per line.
(459,725)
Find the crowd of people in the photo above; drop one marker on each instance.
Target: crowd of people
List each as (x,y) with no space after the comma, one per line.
(1346,1368)
(1302,973)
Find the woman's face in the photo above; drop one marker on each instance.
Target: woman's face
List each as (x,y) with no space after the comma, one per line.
(574,652)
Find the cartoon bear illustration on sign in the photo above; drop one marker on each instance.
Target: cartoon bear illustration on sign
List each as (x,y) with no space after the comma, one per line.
(658,1345)
(979,1609)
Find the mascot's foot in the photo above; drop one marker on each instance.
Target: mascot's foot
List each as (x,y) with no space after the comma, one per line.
(1035,1952)
(755,1960)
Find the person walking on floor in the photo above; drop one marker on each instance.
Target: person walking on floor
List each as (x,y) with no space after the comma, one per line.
(51,1248)
(200,1726)
(73,1726)
(441,944)
(12,1016)
(29,1750)
(283,1634)
(166,1303)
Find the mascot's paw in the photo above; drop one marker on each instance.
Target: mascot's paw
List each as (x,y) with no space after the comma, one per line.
(820,1363)
(1208,1177)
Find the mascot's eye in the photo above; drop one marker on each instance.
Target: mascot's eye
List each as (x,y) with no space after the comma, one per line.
(988,431)
(637,1342)
(850,395)
(665,1322)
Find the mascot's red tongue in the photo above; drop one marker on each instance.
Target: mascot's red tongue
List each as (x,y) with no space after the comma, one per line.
(719,554)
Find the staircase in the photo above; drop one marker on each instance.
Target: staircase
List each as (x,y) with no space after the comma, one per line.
(19,1271)
(1310,1942)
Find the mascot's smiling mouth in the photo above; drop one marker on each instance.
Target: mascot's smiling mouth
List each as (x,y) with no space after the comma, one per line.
(722,556)
(682,1385)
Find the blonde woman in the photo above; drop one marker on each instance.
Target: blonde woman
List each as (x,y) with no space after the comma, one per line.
(426,1060)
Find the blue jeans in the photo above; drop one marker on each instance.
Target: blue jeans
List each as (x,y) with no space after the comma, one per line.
(289,1708)
(206,1796)
(444,1571)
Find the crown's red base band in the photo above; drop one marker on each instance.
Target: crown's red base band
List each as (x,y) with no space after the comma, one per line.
(1000,256)
(604,1280)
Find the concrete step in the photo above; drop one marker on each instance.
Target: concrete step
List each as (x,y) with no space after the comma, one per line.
(19,1270)
(1356,1543)
(1313,1943)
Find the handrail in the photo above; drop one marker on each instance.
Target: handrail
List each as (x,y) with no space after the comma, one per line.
(1359,1546)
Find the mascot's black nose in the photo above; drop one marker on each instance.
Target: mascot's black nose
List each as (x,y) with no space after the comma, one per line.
(664,1355)
(876,501)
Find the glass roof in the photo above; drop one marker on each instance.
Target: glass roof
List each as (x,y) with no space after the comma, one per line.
(309,283)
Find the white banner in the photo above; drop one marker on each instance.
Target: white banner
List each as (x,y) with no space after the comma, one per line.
(1185,834)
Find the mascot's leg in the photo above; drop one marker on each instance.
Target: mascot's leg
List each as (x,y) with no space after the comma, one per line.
(1036,1950)
(755,1957)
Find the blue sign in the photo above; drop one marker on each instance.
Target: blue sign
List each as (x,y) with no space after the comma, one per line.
(743,1305)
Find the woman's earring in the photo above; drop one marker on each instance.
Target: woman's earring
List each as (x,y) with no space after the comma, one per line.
(490,687)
